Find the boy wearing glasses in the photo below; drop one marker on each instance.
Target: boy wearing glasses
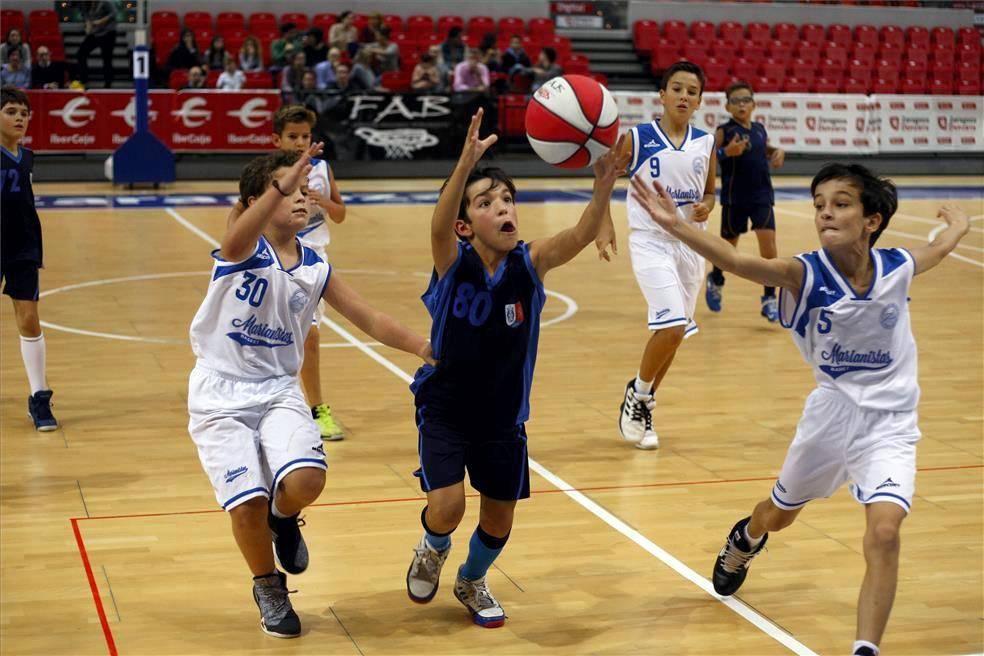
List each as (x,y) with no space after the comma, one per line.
(744,152)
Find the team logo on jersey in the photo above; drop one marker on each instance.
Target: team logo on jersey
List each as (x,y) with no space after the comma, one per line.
(843,361)
(700,166)
(298,300)
(889,317)
(233,474)
(652,144)
(888,483)
(253,333)
(514,314)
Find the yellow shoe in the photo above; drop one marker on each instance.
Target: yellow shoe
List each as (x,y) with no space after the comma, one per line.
(330,430)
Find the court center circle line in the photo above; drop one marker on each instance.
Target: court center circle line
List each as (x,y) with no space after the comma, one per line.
(570,309)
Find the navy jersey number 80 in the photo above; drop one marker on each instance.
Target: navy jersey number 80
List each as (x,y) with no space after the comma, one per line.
(484,336)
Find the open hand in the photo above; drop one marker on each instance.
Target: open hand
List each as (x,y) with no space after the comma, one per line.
(955,217)
(474,147)
(297,174)
(611,165)
(657,202)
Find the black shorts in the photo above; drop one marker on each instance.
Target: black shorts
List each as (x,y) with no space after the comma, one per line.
(21,281)
(497,460)
(735,218)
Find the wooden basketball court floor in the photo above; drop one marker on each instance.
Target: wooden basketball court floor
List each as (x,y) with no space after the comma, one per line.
(112,543)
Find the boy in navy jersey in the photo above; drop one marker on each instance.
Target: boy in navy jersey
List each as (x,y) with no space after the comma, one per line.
(746,189)
(485,297)
(847,309)
(21,250)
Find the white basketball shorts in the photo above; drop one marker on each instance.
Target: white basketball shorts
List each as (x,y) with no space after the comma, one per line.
(669,274)
(838,441)
(250,434)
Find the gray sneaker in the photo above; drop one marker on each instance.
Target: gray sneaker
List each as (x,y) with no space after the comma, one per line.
(477,598)
(424,575)
(277,616)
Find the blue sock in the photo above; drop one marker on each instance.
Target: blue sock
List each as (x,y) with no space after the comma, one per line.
(483,549)
(440,541)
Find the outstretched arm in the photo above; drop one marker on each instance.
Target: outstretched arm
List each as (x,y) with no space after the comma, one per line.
(372,322)
(243,232)
(443,242)
(957,225)
(562,247)
(780,272)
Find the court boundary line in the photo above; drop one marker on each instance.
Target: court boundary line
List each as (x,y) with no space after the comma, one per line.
(752,616)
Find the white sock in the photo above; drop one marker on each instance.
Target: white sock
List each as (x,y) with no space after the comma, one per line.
(864,643)
(752,542)
(643,386)
(33,353)
(276,512)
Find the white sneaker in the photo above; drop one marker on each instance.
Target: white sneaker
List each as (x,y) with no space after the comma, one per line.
(635,422)
(649,441)
(424,574)
(477,598)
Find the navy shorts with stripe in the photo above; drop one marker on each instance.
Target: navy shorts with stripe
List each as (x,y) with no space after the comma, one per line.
(735,219)
(497,460)
(22,281)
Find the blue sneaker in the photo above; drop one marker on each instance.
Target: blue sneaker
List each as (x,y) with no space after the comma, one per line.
(39,409)
(713,295)
(770,308)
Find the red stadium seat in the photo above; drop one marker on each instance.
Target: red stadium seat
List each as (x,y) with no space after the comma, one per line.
(178,78)
(839,34)
(360,22)
(786,33)
(969,87)
(864,54)
(774,70)
(664,55)
(479,26)
(758,32)
(297,18)
(42,21)
(967,53)
(197,20)
(645,34)
(696,51)
(825,85)
(754,51)
(731,32)
(943,36)
(577,64)
(809,53)
(917,36)
(716,74)
(866,34)
(419,24)
(512,115)
(744,69)
(913,85)
(203,38)
(510,25)
(768,85)
(882,85)
(941,86)
(259,80)
(445,23)
(14,18)
(702,30)
(394,22)
(164,20)
(859,70)
(942,69)
(540,26)
(779,51)
(885,70)
(969,35)
(395,81)
(892,35)
(675,31)
(212,79)
(262,21)
(915,68)
(890,53)
(796,85)
(831,70)
(812,33)
(802,69)
(856,86)
(967,70)
(836,53)
(230,21)
(53,42)
(324,22)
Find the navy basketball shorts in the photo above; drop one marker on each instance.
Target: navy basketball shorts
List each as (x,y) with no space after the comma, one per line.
(21,281)
(735,219)
(496,460)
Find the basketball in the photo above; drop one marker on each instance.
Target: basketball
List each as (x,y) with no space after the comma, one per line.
(571,121)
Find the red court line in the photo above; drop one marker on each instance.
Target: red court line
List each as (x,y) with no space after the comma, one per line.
(107,632)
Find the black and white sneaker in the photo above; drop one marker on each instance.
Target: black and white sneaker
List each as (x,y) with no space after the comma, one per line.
(635,421)
(277,616)
(288,543)
(731,566)
(39,409)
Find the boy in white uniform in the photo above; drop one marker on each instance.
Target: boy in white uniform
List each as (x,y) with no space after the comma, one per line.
(256,438)
(847,307)
(669,273)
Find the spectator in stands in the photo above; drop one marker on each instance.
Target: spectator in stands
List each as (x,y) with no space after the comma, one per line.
(185,54)
(373,25)
(489,53)
(546,68)
(231,79)
(250,55)
(453,48)
(215,56)
(471,75)
(515,59)
(362,76)
(325,71)
(46,74)
(292,76)
(14,73)
(100,32)
(282,50)
(386,53)
(427,77)
(196,78)
(13,42)
(437,53)
(312,97)
(343,34)
(342,87)
(315,48)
